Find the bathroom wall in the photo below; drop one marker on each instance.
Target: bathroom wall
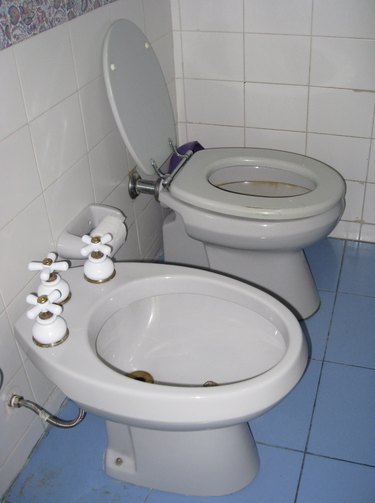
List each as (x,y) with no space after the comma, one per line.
(296,75)
(60,151)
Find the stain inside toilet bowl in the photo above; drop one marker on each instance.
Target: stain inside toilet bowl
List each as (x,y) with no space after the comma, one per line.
(261,181)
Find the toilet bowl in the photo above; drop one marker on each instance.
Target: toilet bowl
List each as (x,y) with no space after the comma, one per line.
(177,360)
(245,212)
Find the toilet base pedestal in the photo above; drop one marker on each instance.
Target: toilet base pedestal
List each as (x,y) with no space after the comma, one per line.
(197,463)
(285,275)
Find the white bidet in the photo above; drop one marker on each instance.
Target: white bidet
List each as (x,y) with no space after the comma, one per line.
(177,360)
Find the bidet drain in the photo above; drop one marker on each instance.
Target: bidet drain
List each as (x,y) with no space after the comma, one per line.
(141,375)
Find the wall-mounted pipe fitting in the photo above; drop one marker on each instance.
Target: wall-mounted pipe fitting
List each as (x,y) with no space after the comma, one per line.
(139,186)
(18,401)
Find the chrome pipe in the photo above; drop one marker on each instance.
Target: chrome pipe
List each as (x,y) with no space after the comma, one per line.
(17,401)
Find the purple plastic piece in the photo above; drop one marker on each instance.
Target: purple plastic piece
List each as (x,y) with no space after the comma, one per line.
(175,160)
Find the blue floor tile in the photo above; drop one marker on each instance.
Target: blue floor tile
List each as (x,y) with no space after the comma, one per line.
(325,259)
(67,466)
(358,270)
(343,422)
(317,326)
(287,424)
(276,482)
(330,481)
(352,338)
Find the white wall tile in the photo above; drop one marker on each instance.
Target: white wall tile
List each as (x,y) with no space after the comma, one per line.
(46,68)
(10,360)
(27,237)
(108,165)
(163,48)
(14,422)
(273,16)
(281,59)
(13,114)
(346,230)
(343,62)
(175,14)
(344,18)
(181,133)
(119,198)
(54,403)
(177,54)
(130,250)
(58,139)
(22,449)
(290,141)
(128,9)
(87,35)
(346,154)
(20,183)
(369,206)
(367,233)
(371,169)
(173,97)
(180,100)
(157,18)
(274,106)
(17,306)
(149,223)
(97,115)
(355,192)
(214,102)
(340,111)
(216,136)
(213,55)
(66,197)
(212,15)
(40,385)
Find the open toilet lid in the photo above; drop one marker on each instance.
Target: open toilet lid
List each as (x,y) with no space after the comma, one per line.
(138,95)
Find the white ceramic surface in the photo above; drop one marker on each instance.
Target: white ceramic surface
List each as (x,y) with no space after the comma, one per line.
(221,308)
(185,327)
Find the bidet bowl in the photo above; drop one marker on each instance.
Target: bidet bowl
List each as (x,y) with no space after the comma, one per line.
(185,327)
(220,352)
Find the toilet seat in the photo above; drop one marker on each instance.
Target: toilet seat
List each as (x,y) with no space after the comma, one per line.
(143,112)
(193,184)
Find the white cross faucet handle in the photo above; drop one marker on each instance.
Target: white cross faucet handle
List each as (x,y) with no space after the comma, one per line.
(43,304)
(48,265)
(96,244)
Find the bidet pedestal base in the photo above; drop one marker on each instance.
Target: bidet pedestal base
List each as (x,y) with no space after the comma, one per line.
(197,463)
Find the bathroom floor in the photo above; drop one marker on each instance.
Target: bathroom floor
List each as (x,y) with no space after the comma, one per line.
(318,445)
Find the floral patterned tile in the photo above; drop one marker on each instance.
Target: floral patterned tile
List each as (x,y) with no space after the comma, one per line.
(5,38)
(76,8)
(30,17)
(21,19)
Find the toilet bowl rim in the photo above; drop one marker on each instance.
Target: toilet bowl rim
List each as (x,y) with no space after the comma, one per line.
(192,186)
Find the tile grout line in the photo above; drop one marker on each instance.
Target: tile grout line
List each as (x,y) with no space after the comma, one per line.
(320,375)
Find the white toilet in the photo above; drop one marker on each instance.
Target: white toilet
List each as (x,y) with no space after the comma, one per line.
(219,351)
(245,212)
